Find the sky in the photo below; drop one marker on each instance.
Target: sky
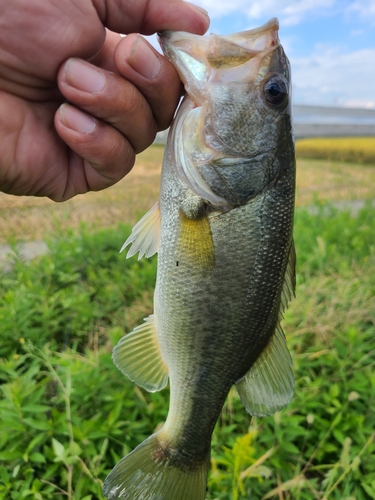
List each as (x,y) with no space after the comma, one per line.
(330,44)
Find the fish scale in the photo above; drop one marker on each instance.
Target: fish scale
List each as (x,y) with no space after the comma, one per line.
(226,263)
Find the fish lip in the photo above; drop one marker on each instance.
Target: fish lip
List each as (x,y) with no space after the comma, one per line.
(273,23)
(164,37)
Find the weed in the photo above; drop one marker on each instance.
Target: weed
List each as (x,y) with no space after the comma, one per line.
(30,218)
(67,415)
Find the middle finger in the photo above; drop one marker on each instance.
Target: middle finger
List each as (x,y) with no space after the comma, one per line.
(109,97)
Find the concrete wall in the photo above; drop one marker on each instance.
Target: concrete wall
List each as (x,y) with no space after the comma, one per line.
(322,121)
(304,130)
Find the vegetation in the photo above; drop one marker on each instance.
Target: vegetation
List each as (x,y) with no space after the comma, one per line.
(32,218)
(67,415)
(344,149)
(333,181)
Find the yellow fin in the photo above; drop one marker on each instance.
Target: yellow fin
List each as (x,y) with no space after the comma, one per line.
(138,356)
(268,385)
(145,236)
(195,243)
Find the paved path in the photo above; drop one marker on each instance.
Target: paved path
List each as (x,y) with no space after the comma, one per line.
(26,250)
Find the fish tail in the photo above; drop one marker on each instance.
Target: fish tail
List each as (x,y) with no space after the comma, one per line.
(154,472)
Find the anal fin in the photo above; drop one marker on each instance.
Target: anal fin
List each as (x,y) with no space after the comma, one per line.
(137,355)
(268,385)
(145,236)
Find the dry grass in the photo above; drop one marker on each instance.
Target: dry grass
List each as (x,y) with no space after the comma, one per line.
(352,149)
(31,218)
(333,181)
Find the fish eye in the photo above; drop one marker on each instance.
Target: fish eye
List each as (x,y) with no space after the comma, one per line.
(275,90)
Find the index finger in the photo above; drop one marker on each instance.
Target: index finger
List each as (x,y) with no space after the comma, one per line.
(149,16)
(152,74)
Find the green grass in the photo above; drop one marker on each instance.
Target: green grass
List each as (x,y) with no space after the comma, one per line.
(67,415)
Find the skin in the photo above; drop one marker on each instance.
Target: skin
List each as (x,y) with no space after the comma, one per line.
(119,89)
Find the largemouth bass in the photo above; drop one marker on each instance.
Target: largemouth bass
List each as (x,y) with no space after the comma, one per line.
(226,261)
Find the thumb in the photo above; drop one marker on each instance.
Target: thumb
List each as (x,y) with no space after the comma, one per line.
(149,16)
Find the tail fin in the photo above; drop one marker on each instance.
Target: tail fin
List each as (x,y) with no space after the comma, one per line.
(147,473)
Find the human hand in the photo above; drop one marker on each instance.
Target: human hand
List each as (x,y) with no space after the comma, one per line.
(117,100)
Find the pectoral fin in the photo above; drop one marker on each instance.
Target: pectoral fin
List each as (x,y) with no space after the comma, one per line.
(138,356)
(268,385)
(195,243)
(145,236)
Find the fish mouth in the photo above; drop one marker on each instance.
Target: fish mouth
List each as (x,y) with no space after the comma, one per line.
(199,59)
(255,40)
(271,25)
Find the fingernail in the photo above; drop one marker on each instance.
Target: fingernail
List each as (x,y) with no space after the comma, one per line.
(84,77)
(76,120)
(144,60)
(199,9)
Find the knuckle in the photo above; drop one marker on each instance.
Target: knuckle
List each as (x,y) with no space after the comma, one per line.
(133,101)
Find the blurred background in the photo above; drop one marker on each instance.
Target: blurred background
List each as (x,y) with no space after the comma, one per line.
(67,296)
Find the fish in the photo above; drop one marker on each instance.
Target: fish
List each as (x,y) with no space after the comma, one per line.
(223,231)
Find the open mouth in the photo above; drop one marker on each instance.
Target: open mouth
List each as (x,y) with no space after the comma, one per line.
(242,45)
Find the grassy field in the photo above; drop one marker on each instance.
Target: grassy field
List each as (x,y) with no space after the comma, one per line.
(32,218)
(70,415)
(350,149)
(67,415)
